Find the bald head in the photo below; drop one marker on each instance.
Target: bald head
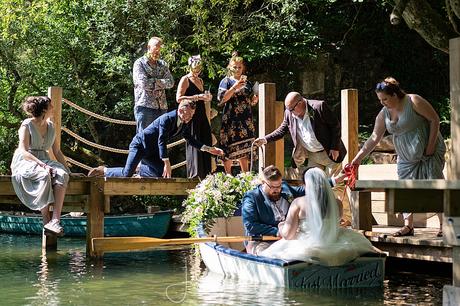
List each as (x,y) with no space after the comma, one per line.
(154,48)
(155,41)
(295,103)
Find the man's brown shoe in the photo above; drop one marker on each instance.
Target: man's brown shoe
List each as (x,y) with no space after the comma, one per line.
(98,171)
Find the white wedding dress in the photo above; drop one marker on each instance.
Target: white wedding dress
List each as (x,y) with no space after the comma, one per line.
(319,238)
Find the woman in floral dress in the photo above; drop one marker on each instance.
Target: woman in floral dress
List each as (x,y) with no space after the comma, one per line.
(237,132)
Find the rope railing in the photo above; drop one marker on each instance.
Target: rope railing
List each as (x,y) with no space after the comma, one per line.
(93,144)
(90,113)
(86,167)
(110,149)
(76,163)
(106,148)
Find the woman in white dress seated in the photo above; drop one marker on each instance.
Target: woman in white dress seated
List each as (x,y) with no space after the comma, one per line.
(37,180)
(311,231)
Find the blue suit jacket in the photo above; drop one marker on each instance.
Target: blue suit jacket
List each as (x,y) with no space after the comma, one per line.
(258,217)
(156,136)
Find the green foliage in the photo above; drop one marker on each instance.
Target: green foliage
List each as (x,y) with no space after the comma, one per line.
(218,195)
(88,48)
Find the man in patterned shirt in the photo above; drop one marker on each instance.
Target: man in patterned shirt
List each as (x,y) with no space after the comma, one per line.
(151,76)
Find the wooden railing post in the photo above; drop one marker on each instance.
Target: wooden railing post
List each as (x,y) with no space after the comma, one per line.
(454,58)
(95,218)
(349,123)
(451,294)
(359,204)
(55,94)
(270,117)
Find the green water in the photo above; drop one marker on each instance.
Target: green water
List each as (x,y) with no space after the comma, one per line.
(168,277)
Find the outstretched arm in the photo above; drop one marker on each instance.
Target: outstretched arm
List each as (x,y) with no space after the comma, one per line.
(369,145)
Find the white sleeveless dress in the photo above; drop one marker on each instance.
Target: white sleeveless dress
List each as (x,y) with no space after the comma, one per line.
(347,246)
(34,184)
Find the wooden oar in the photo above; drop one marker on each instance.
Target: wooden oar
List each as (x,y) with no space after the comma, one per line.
(119,244)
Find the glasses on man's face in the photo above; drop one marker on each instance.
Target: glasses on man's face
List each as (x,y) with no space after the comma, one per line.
(272,187)
(295,105)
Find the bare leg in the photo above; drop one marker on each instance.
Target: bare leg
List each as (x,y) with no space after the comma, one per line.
(59,193)
(439,234)
(228,166)
(409,221)
(408,229)
(244,164)
(46,214)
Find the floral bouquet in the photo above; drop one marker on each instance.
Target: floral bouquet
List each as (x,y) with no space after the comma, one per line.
(218,195)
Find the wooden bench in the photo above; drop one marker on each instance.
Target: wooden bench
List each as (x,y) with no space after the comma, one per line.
(92,196)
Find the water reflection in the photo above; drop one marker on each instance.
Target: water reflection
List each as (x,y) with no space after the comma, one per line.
(48,291)
(169,277)
(217,289)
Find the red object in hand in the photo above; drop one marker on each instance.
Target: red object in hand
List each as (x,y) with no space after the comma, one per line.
(351,171)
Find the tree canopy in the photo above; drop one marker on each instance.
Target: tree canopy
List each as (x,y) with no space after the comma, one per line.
(88,48)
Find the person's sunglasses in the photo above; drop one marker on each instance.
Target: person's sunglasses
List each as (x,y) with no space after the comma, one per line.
(381,86)
(295,105)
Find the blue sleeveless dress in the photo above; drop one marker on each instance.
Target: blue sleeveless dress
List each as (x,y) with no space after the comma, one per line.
(410,138)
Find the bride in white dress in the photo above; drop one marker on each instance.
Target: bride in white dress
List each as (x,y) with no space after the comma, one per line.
(311,231)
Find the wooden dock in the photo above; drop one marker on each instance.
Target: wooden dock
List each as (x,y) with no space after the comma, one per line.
(424,245)
(92,196)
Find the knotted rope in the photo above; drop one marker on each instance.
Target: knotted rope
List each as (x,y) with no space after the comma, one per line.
(90,113)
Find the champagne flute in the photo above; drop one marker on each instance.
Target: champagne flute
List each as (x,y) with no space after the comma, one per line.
(208,96)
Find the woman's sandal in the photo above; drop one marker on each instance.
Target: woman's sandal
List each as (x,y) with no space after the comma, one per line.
(404,231)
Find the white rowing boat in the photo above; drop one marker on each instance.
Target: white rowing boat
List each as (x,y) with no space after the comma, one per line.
(230,260)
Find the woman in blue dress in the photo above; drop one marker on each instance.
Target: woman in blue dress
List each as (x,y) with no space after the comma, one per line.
(237,98)
(419,145)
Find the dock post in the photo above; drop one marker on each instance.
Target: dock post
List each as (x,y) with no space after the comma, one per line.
(361,208)
(349,125)
(270,117)
(95,218)
(55,94)
(49,242)
(451,294)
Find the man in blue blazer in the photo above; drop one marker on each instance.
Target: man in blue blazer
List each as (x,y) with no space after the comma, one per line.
(149,145)
(264,207)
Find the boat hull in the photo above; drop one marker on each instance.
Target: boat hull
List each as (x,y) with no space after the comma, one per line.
(362,272)
(150,225)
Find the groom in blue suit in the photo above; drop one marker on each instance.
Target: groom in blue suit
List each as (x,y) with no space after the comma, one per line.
(266,206)
(149,145)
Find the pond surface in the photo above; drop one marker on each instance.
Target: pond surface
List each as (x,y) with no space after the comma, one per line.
(169,277)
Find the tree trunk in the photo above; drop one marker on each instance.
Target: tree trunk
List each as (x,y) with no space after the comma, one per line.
(421,17)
